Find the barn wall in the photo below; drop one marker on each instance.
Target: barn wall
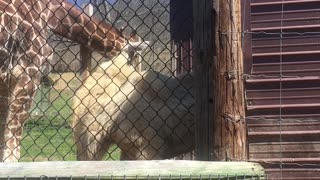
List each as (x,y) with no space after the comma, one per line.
(282,59)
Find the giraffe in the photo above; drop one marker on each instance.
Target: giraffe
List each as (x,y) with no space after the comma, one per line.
(24,28)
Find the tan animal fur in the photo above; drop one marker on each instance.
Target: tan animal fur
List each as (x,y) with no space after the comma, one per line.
(147,114)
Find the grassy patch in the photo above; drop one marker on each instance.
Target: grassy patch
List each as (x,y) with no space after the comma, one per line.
(43,143)
(47,134)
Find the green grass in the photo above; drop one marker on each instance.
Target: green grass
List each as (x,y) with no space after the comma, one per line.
(47,134)
(42,143)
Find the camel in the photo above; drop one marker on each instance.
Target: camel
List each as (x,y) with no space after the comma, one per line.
(148,115)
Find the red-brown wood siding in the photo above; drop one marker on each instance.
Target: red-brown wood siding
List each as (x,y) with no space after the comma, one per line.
(282,60)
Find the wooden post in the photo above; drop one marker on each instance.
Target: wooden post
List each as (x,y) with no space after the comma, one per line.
(230,134)
(85,58)
(203,59)
(85,52)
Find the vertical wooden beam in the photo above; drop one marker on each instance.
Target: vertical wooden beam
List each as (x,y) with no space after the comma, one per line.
(230,134)
(203,57)
(85,52)
(247,38)
(85,60)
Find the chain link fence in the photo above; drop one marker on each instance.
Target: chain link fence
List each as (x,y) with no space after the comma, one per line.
(121,81)
(134,104)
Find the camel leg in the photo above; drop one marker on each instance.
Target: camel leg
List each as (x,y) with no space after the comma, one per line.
(91,145)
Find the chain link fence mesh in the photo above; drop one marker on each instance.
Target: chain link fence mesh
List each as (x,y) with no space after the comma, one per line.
(136,105)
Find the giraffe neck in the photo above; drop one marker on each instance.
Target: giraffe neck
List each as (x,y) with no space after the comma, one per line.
(66,20)
(70,22)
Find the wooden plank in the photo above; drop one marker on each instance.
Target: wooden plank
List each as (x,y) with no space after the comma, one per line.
(284,150)
(276,2)
(203,39)
(247,37)
(131,169)
(293,173)
(85,55)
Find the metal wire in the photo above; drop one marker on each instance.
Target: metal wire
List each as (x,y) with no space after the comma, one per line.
(49,136)
(280,89)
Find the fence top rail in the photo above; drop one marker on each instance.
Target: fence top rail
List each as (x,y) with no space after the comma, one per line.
(171,169)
